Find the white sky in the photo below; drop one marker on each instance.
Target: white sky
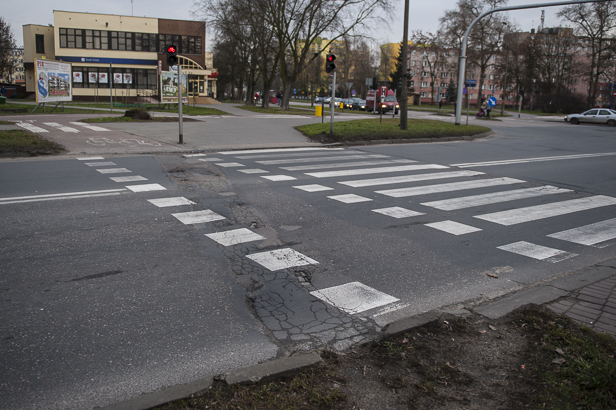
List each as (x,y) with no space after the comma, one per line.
(424,14)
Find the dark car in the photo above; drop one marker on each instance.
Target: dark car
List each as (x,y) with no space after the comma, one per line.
(359,105)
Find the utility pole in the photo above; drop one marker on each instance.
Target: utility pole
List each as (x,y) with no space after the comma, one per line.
(404,92)
(332,107)
(180,119)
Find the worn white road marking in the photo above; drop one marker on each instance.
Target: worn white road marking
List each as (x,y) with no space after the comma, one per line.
(194,155)
(349,198)
(452,227)
(494,198)
(90,127)
(354,297)
(281,259)
(330,151)
(89,158)
(166,202)
(113,170)
(525,160)
(263,151)
(409,178)
(100,164)
(235,236)
(367,171)
(397,212)
(210,159)
(146,188)
(230,164)
(318,159)
(313,188)
(542,253)
(253,171)
(61,127)
(453,186)
(30,127)
(533,213)
(69,195)
(278,177)
(132,178)
(197,217)
(589,234)
(348,164)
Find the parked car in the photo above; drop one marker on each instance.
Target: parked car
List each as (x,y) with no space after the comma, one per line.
(594,116)
(359,105)
(317,99)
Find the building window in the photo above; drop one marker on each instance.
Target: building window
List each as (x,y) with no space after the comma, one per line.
(40,43)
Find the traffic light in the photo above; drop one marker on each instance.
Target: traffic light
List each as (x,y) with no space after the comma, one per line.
(375,83)
(522,91)
(172,55)
(329,63)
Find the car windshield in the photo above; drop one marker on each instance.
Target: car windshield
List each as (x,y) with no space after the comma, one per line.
(361,101)
(391,98)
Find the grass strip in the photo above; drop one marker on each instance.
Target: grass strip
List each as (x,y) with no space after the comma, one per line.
(129,119)
(20,109)
(186,109)
(373,129)
(18,141)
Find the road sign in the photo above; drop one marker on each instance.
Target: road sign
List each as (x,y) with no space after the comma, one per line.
(492,101)
(353,93)
(471,83)
(464,91)
(295,91)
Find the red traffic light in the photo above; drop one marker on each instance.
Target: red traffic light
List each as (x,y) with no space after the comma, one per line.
(330,58)
(171,49)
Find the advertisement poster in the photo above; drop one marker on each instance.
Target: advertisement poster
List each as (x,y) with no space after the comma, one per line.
(92,78)
(169,87)
(117,78)
(77,77)
(128,78)
(102,78)
(53,81)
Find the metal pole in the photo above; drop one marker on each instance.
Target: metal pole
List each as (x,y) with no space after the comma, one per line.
(485,13)
(111,85)
(505,82)
(180,95)
(332,105)
(404,94)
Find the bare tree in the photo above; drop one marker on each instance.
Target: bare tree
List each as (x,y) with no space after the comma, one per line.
(7,46)
(433,55)
(595,23)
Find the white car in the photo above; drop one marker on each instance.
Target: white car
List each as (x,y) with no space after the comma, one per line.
(594,116)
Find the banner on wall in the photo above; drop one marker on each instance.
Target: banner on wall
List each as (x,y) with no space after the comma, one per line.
(169,87)
(92,78)
(102,78)
(53,81)
(117,78)
(128,78)
(77,77)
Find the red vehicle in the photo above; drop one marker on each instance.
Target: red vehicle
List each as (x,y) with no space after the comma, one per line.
(388,103)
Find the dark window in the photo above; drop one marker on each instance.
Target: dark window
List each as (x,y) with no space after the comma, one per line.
(40,43)
(138,42)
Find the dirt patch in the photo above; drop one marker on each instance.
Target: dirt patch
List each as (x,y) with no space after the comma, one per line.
(531,358)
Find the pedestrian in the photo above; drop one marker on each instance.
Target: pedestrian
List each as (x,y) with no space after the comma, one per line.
(489,110)
(279,97)
(3,91)
(440,104)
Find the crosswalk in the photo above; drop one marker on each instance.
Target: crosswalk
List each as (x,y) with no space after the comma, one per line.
(446,198)
(43,127)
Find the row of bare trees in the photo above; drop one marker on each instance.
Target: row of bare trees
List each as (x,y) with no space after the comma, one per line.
(262,40)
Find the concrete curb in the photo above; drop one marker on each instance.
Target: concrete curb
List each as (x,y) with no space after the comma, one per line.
(418,140)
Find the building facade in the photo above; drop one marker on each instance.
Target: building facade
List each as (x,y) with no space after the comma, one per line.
(120,55)
(16,73)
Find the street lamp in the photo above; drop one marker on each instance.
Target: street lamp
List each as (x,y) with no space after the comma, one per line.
(506,64)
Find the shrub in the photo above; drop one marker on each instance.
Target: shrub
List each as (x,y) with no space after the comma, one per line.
(137,114)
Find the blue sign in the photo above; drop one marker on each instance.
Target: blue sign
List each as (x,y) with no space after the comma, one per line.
(106,60)
(295,91)
(492,101)
(464,91)
(471,83)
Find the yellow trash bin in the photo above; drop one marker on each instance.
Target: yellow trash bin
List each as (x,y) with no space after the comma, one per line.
(318,111)
(342,106)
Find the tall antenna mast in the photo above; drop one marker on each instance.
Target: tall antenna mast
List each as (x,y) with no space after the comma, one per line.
(542,19)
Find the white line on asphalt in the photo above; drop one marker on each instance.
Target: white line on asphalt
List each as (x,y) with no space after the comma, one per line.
(525,160)
(230,164)
(262,151)
(367,171)
(542,253)
(313,188)
(409,178)
(334,151)
(494,198)
(253,171)
(453,186)
(61,127)
(348,164)
(278,177)
(397,212)
(354,297)
(89,158)
(146,188)
(68,195)
(90,127)
(30,127)
(349,198)
(57,198)
(132,178)
(281,259)
(113,170)
(589,234)
(452,227)
(210,159)
(319,159)
(100,164)
(166,202)
(197,217)
(235,237)
(194,155)
(533,213)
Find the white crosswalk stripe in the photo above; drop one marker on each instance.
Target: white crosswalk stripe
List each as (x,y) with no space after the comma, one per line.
(31,127)
(452,227)
(281,259)
(234,237)
(167,202)
(533,213)
(347,164)
(368,171)
(397,212)
(542,253)
(313,188)
(293,153)
(494,198)
(454,186)
(61,127)
(319,159)
(409,178)
(349,198)
(354,297)
(197,217)
(592,234)
(90,127)
(275,150)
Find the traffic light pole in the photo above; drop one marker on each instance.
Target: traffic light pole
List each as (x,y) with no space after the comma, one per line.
(332,107)
(180,95)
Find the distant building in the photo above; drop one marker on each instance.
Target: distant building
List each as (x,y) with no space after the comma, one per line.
(16,73)
(130,51)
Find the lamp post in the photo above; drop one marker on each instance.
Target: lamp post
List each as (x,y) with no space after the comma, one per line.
(505,79)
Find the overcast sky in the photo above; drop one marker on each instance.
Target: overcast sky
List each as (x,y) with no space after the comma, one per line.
(424,14)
